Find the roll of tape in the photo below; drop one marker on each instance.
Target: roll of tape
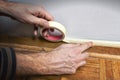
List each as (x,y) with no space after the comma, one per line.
(55,33)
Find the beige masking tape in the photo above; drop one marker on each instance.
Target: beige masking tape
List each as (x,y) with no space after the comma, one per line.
(60,35)
(55,33)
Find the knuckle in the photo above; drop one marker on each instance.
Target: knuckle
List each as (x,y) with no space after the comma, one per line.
(27,20)
(31,21)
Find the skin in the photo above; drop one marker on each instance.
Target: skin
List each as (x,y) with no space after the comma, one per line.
(31,14)
(64,59)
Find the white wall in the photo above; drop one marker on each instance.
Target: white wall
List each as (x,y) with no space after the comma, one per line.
(89,19)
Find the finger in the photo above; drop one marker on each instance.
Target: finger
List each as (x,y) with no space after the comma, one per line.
(45,34)
(38,21)
(35,32)
(81,64)
(43,23)
(49,17)
(46,15)
(81,57)
(83,47)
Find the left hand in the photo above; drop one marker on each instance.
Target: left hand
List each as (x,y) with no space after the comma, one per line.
(64,59)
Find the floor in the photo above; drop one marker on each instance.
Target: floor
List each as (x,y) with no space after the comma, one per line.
(95,69)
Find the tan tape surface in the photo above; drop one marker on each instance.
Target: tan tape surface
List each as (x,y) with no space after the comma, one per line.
(55,25)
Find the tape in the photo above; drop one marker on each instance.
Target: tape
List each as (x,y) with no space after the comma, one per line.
(55,33)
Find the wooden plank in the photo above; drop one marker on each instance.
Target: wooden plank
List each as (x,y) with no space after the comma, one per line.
(99,67)
(52,77)
(102,69)
(115,69)
(92,54)
(43,43)
(85,72)
(82,76)
(109,72)
(106,56)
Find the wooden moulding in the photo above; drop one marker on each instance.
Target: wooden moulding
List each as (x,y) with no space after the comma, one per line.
(106,56)
(36,49)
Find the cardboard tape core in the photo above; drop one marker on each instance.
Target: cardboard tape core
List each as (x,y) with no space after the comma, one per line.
(55,33)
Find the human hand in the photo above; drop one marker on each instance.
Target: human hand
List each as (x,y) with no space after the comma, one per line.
(26,13)
(65,59)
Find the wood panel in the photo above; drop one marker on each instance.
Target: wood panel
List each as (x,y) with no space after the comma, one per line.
(96,68)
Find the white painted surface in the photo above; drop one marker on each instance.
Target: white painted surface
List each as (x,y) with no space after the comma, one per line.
(83,19)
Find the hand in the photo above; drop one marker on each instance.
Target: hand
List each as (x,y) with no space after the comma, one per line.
(32,14)
(65,59)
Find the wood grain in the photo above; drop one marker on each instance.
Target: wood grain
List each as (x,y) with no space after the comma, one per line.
(102,69)
(97,68)
(115,68)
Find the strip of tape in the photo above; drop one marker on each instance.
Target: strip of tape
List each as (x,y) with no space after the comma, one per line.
(57,32)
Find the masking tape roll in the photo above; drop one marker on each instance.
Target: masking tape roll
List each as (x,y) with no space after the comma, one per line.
(55,33)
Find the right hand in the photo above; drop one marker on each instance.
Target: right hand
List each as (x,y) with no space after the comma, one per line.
(27,13)
(65,59)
